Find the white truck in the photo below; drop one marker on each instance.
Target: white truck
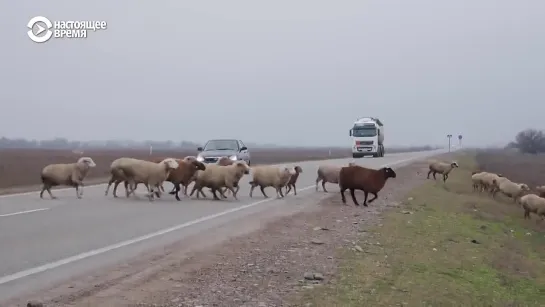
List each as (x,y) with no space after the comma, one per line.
(367,137)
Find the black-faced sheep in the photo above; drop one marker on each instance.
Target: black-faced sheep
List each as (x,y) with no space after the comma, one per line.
(365,179)
(70,174)
(441,168)
(271,176)
(293,180)
(532,203)
(329,173)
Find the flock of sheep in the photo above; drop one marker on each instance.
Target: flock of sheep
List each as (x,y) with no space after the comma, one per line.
(494,183)
(221,177)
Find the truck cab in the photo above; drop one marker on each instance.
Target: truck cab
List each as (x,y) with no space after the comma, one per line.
(367,137)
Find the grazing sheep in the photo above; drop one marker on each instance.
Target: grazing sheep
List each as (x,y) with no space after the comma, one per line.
(271,176)
(487,181)
(365,179)
(153,174)
(476,179)
(509,188)
(217,177)
(541,190)
(441,168)
(329,173)
(183,174)
(293,180)
(70,174)
(534,204)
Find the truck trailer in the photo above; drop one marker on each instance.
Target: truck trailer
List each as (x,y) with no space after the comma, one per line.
(367,137)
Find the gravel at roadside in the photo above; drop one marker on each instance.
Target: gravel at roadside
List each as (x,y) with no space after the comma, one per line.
(264,268)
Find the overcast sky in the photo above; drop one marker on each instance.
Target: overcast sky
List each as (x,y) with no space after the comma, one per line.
(285,72)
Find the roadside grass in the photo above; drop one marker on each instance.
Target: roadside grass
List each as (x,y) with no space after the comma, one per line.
(446,246)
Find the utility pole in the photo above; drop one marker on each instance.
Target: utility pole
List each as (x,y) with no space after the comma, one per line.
(449,136)
(460,140)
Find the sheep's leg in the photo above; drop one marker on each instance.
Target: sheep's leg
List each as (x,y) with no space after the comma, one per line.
(214,193)
(342,195)
(354,197)
(151,192)
(434,178)
(323,186)
(373,199)
(81,185)
(526,214)
(222,192)
(294,189)
(77,191)
(116,184)
(108,187)
(176,191)
(202,193)
(51,194)
(429,173)
(365,199)
(288,189)
(263,191)
(317,181)
(279,192)
(233,192)
(252,189)
(445,177)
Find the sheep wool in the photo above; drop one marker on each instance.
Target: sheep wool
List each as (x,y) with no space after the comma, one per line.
(271,176)
(531,203)
(541,190)
(217,177)
(437,167)
(329,173)
(510,189)
(153,174)
(70,174)
(117,176)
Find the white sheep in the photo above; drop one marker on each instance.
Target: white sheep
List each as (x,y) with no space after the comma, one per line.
(487,181)
(533,203)
(438,167)
(476,179)
(329,173)
(70,174)
(271,176)
(509,188)
(117,176)
(216,177)
(151,173)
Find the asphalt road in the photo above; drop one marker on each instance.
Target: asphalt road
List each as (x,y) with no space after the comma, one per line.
(47,241)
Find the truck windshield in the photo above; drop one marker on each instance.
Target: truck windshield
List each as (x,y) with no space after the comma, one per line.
(364,132)
(221,145)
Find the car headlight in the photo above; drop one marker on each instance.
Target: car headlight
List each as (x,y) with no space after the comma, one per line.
(200,158)
(234,158)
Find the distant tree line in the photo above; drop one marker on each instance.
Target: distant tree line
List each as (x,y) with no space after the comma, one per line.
(531,141)
(62,143)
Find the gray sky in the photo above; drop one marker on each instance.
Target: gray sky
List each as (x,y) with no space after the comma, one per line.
(288,72)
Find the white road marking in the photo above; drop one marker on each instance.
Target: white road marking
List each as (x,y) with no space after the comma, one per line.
(23,212)
(56,264)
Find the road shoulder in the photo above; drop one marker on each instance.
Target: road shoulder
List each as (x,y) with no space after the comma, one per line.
(266,266)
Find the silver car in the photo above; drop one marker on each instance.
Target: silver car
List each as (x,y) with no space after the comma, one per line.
(232,148)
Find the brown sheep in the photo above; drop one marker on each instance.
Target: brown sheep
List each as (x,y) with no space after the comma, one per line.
(365,179)
(183,174)
(293,180)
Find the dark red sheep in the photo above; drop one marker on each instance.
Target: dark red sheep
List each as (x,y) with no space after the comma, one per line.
(368,180)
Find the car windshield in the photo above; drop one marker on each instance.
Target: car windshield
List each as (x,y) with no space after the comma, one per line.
(364,132)
(221,145)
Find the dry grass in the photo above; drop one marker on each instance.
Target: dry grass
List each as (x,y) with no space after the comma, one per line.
(448,246)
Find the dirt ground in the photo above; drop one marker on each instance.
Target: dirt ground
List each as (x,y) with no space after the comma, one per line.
(20,168)
(268,267)
(448,246)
